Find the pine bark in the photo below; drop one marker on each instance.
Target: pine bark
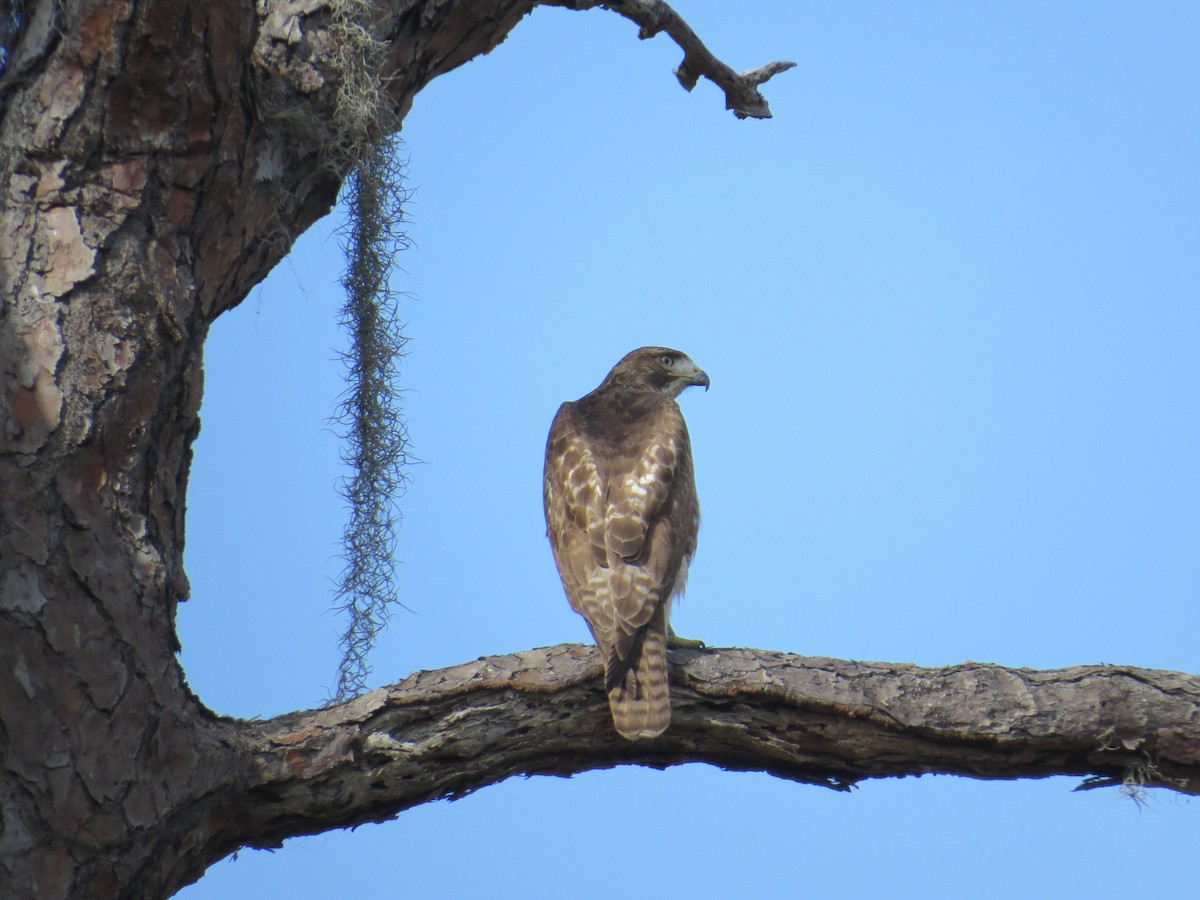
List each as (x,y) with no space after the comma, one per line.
(157,158)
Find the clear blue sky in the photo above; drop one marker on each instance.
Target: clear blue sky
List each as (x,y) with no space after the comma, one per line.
(949,298)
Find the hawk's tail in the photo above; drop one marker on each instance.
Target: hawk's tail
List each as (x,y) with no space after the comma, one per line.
(641,701)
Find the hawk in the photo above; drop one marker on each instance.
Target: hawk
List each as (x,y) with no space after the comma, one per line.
(622,518)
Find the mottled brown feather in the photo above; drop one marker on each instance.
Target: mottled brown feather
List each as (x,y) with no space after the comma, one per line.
(622,517)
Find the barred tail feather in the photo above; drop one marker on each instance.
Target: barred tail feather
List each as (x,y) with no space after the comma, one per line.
(641,701)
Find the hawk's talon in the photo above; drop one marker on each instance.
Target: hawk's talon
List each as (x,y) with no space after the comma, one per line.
(680,643)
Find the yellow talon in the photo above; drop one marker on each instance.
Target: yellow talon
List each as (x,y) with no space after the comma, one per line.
(674,640)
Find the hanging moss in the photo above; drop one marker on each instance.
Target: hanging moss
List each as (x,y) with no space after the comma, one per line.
(376,448)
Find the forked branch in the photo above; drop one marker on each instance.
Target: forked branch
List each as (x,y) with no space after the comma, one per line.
(654,16)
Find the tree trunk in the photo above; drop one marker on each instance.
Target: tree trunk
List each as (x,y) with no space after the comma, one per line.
(157,158)
(152,172)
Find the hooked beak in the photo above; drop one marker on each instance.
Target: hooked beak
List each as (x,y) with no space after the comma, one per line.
(700,377)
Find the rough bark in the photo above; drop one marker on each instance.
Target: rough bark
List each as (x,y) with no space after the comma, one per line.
(157,158)
(823,721)
(442,734)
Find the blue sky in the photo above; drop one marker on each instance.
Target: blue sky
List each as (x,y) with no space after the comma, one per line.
(949,298)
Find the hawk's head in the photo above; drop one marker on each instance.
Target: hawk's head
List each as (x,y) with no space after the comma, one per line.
(659,368)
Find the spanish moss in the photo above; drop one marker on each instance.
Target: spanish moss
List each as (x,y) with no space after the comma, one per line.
(377,448)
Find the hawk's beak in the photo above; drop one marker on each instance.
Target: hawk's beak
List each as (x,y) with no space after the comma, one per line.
(700,377)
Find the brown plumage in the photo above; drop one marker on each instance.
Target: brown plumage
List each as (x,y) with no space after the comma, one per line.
(622,517)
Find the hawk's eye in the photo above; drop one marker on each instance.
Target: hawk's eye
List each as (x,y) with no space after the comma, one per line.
(667,360)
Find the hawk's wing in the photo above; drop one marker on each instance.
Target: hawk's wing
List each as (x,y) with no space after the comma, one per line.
(650,509)
(622,518)
(573,491)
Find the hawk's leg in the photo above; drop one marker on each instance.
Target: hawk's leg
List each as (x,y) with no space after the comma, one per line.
(675,641)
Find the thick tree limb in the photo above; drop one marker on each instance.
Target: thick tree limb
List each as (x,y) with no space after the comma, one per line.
(822,721)
(653,16)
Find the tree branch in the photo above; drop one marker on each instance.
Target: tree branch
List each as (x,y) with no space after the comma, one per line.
(448,732)
(652,16)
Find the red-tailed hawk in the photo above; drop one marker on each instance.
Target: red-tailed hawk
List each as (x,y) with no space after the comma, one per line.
(622,517)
